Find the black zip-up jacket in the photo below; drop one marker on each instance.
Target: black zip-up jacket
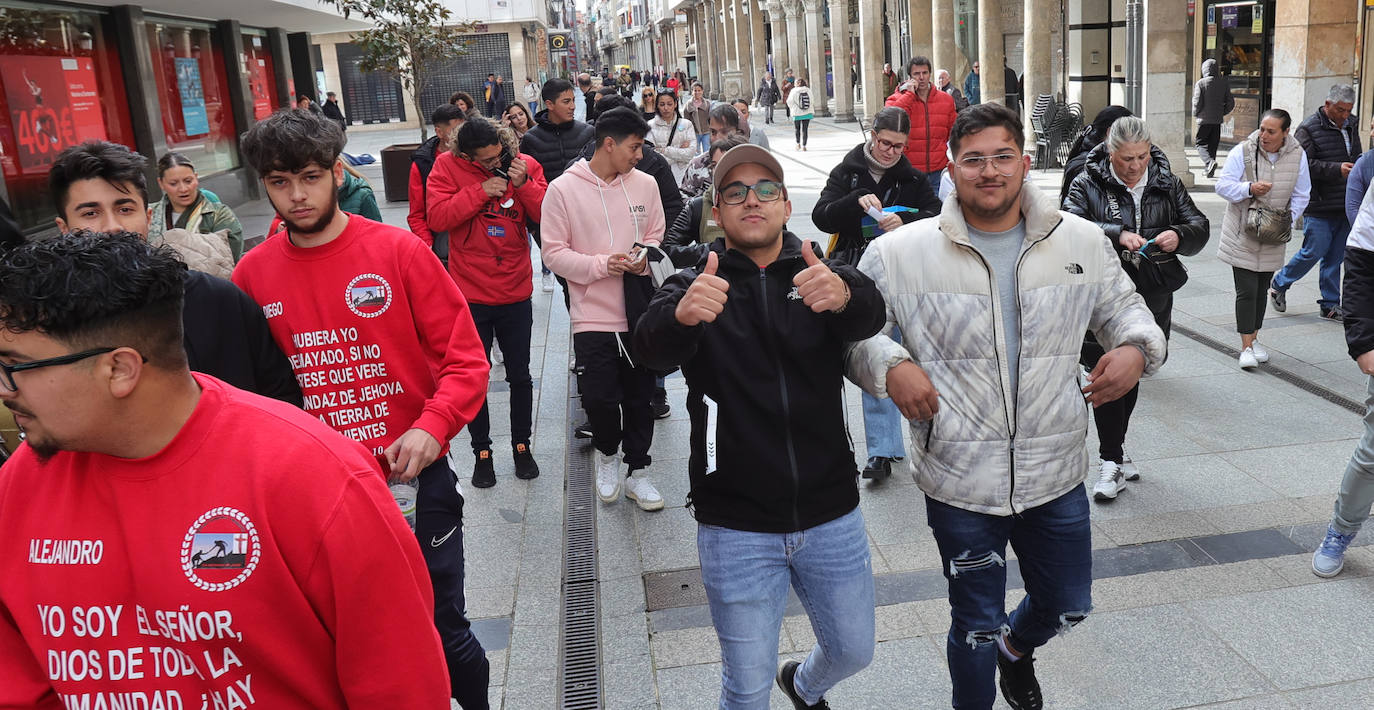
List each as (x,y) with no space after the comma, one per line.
(1357,300)
(1324,145)
(770,373)
(655,166)
(555,146)
(226,336)
(680,241)
(837,210)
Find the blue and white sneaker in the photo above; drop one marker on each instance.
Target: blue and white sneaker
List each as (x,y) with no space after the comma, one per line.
(1329,558)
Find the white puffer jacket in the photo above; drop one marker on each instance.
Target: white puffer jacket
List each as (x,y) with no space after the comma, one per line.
(990,450)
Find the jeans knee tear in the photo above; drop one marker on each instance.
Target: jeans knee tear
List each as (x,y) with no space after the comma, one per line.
(974,639)
(966,562)
(1070,619)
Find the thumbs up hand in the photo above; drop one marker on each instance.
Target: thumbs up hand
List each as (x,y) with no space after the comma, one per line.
(705,298)
(820,288)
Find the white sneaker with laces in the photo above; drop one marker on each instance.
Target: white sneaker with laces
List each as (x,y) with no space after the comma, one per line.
(1128,467)
(607,477)
(547,284)
(641,491)
(1248,361)
(1110,481)
(1261,355)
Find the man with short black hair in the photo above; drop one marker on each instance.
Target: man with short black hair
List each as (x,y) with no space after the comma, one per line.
(100,186)
(724,121)
(756,134)
(932,114)
(383,343)
(447,119)
(585,95)
(333,112)
(165,489)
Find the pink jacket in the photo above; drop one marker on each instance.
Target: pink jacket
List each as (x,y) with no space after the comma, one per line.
(586,220)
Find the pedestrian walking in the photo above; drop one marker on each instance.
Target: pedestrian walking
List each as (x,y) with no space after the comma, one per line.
(184,205)
(698,111)
(724,122)
(873,177)
(530,93)
(447,119)
(518,119)
(789,82)
(1357,183)
(757,135)
(942,80)
(1002,435)
(1330,139)
(1212,101)
(673,136)
(972,91)
(333,112)
(1128,190)
(647,106)
(799,107)
(891,80)
(1012,85)
(771,464)
(768,95)
(555,143)
(1089,137)
(1266,187)
(932,114)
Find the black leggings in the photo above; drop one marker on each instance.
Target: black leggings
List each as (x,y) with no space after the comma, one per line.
(1113,418)
(802,127)
(1252,290)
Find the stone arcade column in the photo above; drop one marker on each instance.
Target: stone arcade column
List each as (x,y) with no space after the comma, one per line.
(920,18)
(780,54)
(1313,49)
(744,47)
(758,44)
(714,54)
(839,60)
(1166,92)
(730,76)
(990,52)
(1038,14)
(815,57)
(796,44)
(945,56)
(871,59)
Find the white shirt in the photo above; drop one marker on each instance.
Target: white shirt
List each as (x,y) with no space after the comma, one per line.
(1233,187)
(1137,192)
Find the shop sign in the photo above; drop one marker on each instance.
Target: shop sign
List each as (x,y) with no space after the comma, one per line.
(1230,17)
(1257,24)
(54,103)
(1192,7)
(192,95)
(1211,35)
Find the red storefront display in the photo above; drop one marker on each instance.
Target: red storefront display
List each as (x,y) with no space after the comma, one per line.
(262,75)
(193,91)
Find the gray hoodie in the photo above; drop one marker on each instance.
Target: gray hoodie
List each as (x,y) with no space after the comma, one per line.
(1212,98)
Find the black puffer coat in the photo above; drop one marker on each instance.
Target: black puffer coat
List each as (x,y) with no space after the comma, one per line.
(837,211)
(1164,206)
(1321,140)
(555,146)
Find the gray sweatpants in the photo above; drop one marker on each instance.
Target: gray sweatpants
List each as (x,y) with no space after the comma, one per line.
(1357,487)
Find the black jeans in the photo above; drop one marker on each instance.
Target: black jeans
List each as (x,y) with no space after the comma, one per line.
(1207,139)
(509,326)
(616,396)
(1114,418)
(439,528)
(802,128)
(1252,291)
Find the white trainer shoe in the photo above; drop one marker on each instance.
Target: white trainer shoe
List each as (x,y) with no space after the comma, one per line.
(607,476)
(1261,355)
(548,283)
(641,491)
(1110,481)
(1248,361)
(1128,467)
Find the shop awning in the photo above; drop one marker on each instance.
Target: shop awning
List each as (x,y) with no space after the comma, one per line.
(290,15)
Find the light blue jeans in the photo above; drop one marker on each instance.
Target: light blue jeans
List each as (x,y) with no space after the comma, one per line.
(1323,239)
(883,422)
(747,574)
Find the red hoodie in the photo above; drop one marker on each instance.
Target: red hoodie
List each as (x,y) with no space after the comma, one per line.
(931,120)
(379,337)
(489,250)
(257,560)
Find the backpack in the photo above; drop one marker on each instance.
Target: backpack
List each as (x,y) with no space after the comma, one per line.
(805,101)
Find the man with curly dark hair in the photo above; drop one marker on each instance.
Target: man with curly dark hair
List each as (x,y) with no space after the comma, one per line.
(172,507)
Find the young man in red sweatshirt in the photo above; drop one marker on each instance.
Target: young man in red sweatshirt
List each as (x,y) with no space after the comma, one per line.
(447,119)
(483,196)
(595,216)
(196,545)
(381,342)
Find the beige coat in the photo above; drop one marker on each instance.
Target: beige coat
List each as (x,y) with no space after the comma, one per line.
(1235,248)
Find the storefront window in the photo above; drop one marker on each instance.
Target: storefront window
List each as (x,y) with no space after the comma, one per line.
(262,75)
(188,65)
(61,84)
(1240,36)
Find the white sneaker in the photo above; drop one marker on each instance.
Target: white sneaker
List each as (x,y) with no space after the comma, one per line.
(572,361)
(1261,355)
(496,355)
(1110,481)
(548,283)
(1248,361)
(1128,468)
(640,490)
(607,477)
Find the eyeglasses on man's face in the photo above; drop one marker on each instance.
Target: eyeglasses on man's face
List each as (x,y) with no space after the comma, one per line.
(972,167)
(7,371)
(737,192)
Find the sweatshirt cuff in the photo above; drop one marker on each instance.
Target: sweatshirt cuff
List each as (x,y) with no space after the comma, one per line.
(436,426)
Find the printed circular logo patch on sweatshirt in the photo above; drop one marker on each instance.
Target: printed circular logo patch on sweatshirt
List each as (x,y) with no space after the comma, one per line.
(220,550)
(368,295)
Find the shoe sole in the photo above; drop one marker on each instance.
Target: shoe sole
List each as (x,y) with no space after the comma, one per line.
(1278,307)
(613,497)
(1103,495)
(666,413)
(1255,366)
(650,506)
(483,484)
(527,477)
(1327,575)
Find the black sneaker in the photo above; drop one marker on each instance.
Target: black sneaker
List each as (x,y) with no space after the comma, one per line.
(786,673)
(525,467)
(1211,168)
(1017,680)
(1333,314)
(484,471)
(1279,299)
(660,405)
(878,468)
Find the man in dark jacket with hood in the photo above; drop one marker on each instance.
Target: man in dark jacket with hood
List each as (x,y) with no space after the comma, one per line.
(1212,100)
(556,139)
(1331,139)
(759,330)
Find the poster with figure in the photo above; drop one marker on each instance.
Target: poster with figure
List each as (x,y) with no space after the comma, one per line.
(192,97)
(54,103)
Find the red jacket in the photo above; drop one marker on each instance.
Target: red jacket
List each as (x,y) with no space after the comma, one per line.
(416,218)
(931,122)
(489,249)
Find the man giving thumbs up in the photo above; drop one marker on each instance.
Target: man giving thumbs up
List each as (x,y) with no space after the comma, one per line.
(759,330)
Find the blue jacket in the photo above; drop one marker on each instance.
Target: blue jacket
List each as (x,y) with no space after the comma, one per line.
(1357,183)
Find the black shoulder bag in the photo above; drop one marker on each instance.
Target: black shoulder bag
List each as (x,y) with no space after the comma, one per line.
(1153,272)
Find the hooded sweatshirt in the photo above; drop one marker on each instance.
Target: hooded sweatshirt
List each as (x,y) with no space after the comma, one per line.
(585,220)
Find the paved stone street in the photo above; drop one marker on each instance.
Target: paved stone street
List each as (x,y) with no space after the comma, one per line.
(1204,595)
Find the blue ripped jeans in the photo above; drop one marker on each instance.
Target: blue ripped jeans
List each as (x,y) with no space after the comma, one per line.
(883,422)
(1053,547)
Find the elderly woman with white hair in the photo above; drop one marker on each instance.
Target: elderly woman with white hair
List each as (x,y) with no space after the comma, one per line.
(1128,189)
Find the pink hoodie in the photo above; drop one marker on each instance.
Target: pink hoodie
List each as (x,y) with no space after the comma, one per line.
(586,220)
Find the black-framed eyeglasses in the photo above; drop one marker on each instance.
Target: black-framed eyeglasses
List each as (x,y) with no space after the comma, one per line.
(737,192)
(7,371)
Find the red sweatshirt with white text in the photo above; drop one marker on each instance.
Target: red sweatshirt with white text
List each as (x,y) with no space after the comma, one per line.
(379,337)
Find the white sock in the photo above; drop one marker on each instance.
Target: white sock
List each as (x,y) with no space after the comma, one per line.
(1006,652)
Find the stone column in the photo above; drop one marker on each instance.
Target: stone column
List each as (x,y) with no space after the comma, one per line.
(1038,14)
(1312,51)
(1166,92)
(990,51)
(815,57)
(942,37)
(780,55)
(730,77)
(839,61)
(710,49)
(759,43)
(894,29)
(919,17)
(743,46)
(871,59)
(796,44)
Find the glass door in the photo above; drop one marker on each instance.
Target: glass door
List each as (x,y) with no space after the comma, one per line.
(1239,35)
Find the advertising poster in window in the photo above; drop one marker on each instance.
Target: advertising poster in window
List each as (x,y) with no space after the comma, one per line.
(192,97)
(53,104)
(257,85)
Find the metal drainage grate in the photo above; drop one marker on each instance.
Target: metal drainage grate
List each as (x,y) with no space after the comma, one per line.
(579,648)
(1301,383)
